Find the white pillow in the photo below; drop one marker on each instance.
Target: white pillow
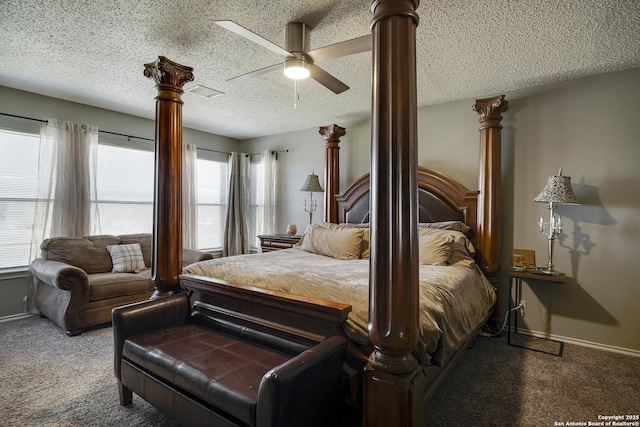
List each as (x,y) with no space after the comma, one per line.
(339,243)
(126,258)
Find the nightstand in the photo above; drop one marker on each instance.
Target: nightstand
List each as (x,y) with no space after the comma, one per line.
(275,242)
(515,279)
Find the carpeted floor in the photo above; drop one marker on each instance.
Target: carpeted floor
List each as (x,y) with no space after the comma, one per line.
(500,385)
(49,379)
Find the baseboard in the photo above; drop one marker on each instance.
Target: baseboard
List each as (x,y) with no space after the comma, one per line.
(15,317)
(583,343)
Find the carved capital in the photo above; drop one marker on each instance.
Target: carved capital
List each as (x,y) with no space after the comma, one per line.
(332,133)
(167,72)
(491,108)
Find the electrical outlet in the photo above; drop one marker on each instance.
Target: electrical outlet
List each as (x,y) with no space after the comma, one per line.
(523,306)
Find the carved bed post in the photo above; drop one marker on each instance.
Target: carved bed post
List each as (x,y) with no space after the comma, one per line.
(489,199)
(166,262)
(393,378)
(332,134)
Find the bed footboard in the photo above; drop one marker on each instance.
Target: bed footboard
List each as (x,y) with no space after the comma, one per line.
(310,318)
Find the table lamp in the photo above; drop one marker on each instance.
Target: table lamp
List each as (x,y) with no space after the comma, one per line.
(558,191)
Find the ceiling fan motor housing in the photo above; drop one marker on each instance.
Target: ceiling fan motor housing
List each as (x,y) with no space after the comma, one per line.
(296,37)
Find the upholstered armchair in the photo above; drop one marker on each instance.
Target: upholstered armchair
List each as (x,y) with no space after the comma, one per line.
(77,281)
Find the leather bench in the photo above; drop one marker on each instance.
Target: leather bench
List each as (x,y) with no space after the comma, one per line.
(201,367)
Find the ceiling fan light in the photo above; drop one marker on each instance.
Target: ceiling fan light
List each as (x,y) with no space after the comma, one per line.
(296,69)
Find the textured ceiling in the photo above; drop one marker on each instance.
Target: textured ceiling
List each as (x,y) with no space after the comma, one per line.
(92,52)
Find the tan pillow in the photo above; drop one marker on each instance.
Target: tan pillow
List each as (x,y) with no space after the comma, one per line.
(366,241)
(336,242)
(447,225)
(435,246)
(462,250)
(364,246)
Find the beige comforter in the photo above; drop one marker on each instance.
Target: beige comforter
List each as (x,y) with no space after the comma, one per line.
(453,299)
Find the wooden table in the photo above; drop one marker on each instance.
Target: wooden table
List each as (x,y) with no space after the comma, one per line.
(516,278)
(275,242)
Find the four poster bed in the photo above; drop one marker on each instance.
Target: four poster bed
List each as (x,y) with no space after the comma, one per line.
(321,287)
(399,363)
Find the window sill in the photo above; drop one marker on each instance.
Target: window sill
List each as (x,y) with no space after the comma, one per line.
(13,273)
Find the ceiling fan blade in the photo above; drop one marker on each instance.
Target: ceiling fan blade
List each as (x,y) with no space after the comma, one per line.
(249,35)
(327,80)
(259,72)
(348,47)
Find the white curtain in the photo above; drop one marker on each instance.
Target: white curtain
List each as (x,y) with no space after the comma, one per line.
(66,199)
(236,230)
(266,197)
(189,197)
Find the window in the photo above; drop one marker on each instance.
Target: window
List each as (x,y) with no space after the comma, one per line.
(125,200)
(18,191)
(125,190)
(125,182)
(212,202)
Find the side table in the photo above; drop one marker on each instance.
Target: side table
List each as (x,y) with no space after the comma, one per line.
(515,279)
(275,242)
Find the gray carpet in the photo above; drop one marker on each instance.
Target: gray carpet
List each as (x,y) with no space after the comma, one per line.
(500,385)
(49,379)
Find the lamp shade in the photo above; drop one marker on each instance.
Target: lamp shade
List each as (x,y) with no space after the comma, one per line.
(312,184)
(558,190)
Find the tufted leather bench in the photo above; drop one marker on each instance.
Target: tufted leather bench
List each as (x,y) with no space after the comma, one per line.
(201,367)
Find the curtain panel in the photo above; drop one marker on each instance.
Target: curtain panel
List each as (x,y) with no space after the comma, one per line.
(189,196)
(266,197)
(236,230)
(66,194)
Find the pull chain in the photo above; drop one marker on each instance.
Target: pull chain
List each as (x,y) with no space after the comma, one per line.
(296,95)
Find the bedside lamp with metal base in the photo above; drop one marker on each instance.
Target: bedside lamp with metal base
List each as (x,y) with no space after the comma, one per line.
(558,191)
(312,185)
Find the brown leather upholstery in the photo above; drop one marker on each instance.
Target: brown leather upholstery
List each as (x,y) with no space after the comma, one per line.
(203,370)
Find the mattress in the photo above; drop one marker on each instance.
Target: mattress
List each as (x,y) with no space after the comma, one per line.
(454,299)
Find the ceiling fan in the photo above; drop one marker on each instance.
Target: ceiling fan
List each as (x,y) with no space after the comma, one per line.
(299,62)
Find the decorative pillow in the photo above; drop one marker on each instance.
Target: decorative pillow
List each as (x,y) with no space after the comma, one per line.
(126,258)
(336,242)
(366,241)
(435,246)
(364,246)
(462,250)
(447,225)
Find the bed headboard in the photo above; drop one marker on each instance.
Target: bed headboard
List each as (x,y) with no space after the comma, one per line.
(440,198)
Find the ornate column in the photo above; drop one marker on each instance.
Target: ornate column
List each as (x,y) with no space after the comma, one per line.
(166,262)
(393,378)
(332,134)
(489,199)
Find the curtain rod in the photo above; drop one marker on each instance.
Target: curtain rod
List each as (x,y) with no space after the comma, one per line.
(136,137)
(99,130)
(251,154)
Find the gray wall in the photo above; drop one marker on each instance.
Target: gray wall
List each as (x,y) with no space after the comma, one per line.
(590,128)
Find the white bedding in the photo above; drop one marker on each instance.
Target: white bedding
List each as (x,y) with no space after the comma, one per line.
(454,299)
